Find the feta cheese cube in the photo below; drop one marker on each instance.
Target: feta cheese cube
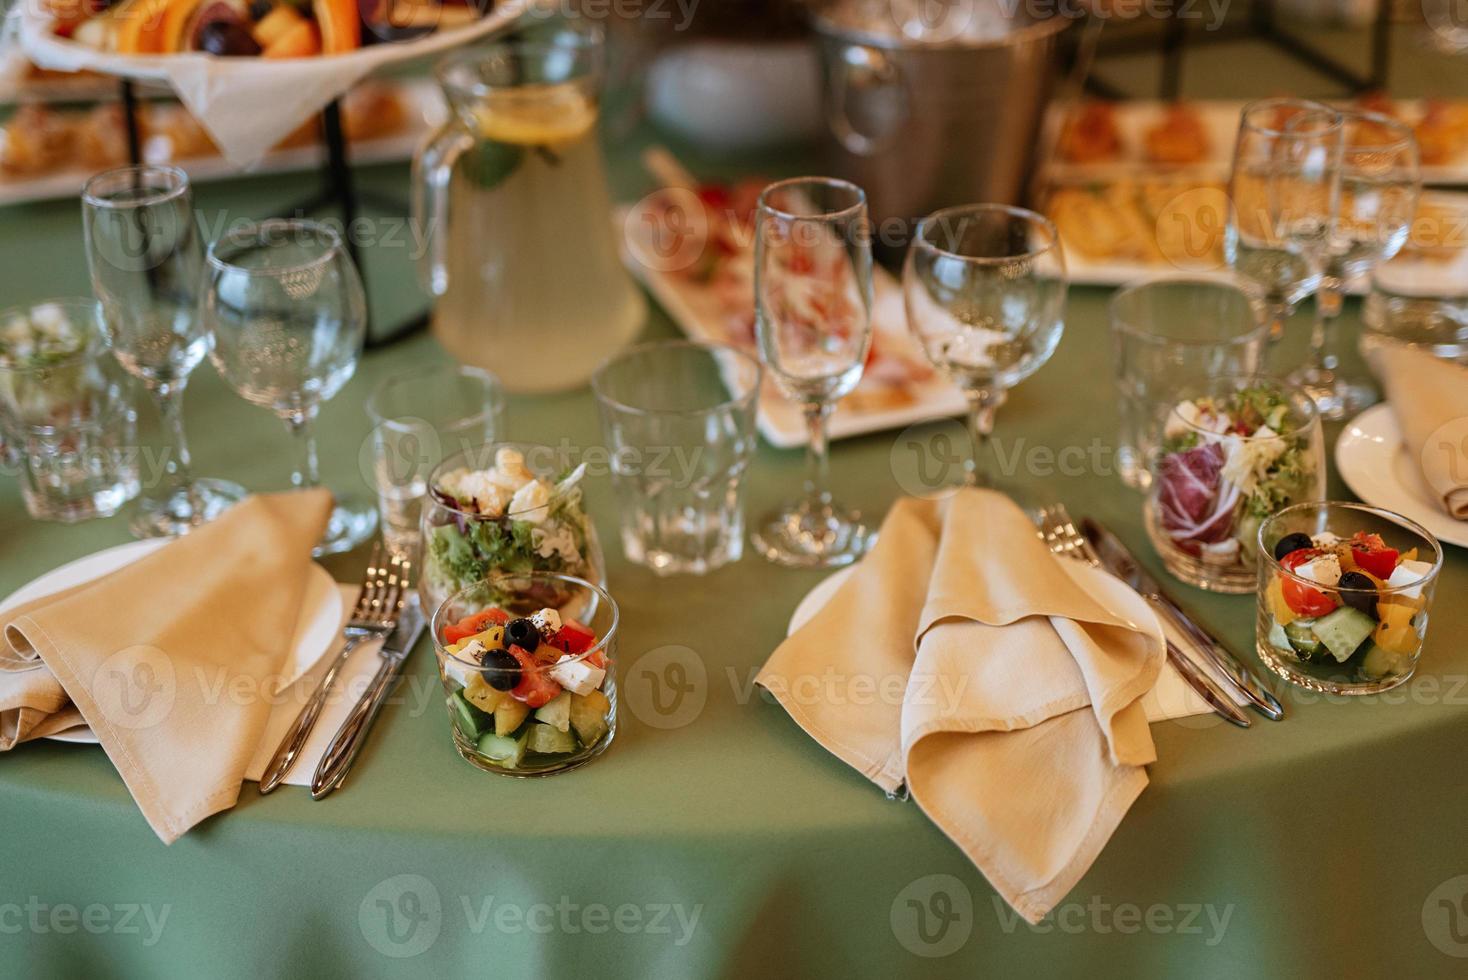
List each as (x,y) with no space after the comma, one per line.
(531,502)
(1408,572)
(458,672)
(548,621)
(577,676)
(1324,570)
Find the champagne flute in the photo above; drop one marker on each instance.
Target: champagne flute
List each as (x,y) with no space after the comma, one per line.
(144,255)
(1380,183)
(1282,200)
(984,286)
(813,301)
(286,311)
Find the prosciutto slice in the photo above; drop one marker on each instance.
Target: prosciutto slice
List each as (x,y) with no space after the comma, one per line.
(1195,503)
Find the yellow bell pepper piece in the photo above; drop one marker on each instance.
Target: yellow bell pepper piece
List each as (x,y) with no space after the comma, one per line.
(1278,608)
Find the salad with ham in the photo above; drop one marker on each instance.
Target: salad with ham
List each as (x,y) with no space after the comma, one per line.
(1227,462)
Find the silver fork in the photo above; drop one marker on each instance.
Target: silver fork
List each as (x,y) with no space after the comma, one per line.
(375,615)
(1063,538)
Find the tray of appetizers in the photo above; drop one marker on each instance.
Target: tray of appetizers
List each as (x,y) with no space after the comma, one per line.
(48,152)
(1094,140)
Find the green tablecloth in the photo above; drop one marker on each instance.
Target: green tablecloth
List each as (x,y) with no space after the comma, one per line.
(717,839)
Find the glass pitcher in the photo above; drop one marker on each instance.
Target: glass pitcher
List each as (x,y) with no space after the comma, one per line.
(513,199)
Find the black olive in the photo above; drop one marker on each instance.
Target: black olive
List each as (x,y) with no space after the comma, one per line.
(523,634)
(502,670)
(227,38)
(1291,543)
(1365,599)
(259,9)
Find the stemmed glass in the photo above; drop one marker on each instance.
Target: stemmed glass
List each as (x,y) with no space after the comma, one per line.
(144,254)
(984,286)
(1283,199)
(813,301)
(286,311)
(1380,183)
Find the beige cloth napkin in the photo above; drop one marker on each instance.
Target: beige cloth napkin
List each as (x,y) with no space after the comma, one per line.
(1427,393)
(172,660)
(1019,728)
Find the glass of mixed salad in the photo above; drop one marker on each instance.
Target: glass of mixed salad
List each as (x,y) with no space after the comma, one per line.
(1344,595)
(527,667)
(504,508)
(68,428)
(1231,454)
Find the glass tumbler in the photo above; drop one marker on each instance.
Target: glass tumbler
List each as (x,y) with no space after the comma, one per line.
(1345,591)
(679,420)
(1170,333)
(523,708)
(418,418)
(1232,452)
(69,426)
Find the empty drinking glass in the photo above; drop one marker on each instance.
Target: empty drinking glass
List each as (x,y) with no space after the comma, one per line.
(984,286)
(1380,183)
(286,311)
(67,422)
(418,418)
(1283,199)
(679,420)
(144,254)
(813,321)
(1169,334)
(1420,299)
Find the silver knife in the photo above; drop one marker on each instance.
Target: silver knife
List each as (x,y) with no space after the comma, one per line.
(1121,563)
(337,760)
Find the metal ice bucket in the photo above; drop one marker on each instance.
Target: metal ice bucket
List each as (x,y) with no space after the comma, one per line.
(928,115)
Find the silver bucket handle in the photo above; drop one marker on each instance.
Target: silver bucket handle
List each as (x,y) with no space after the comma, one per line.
(863,68)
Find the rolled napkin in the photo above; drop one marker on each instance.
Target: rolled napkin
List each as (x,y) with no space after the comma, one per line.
(171,660)
(1426,394)
(1020,730)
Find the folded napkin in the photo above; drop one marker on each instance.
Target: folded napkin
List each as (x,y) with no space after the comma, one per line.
(1426,393)
(1020,730)
(172,660)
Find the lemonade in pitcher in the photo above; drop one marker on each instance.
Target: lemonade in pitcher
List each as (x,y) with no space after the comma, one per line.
(513,198)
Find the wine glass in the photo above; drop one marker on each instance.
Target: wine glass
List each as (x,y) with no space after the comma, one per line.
(144,255)
(984,286)
(1282,200)
(286,311)
(813,301)
(1380,183)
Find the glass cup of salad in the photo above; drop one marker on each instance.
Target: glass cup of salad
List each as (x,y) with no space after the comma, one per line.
(504,508)
(527,668)
(1231,453)
(1344,596)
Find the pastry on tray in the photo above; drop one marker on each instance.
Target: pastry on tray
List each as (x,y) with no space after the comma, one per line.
(1090,134)
(1178,137)
(252,28)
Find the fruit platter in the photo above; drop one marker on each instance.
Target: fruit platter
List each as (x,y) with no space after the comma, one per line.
(1344,609)
(529,693)
(515,515)
(1228,460)
(252,28)
(225,59)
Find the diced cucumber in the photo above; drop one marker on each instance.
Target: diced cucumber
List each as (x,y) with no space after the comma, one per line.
(502,749)
(556,712)
(1378,663)
(1343,631)
(550,740)
(471,721)
(1277,637)
(1301,637)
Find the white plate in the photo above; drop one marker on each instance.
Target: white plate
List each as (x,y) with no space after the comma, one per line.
(1378,468)
(1171,697)
(700,316)
(423,107)
(316,629)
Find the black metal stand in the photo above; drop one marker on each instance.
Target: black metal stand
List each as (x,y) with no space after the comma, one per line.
(1261,25)
(338,192)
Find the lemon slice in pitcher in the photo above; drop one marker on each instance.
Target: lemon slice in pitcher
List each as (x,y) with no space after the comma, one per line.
(537,115)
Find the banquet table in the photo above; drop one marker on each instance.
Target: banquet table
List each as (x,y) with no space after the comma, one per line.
(715,838)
